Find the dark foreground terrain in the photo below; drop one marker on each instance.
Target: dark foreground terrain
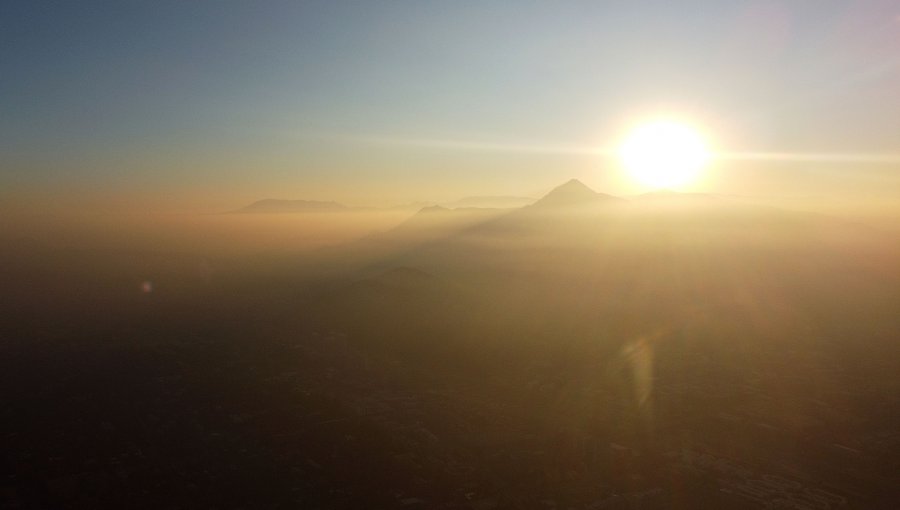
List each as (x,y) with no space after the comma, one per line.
(581,352)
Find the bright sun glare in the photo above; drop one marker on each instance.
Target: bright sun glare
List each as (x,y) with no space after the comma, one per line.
(664,154)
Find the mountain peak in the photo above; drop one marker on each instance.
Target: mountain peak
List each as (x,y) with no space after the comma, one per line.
(572,188)
(573,192)
(573,184)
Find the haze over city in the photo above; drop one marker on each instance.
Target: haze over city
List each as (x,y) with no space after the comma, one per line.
(459,254)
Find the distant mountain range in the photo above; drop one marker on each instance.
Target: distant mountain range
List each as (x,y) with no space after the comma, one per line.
(276,206)
(569,194)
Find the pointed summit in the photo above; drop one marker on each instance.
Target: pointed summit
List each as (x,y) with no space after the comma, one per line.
(574,192)
(573,185)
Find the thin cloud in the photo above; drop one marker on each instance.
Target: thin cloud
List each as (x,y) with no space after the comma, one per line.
(821,157)
(569,149)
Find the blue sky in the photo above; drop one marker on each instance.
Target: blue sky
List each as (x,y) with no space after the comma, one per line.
(271,95)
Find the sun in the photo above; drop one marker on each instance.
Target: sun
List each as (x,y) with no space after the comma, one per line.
(664,154)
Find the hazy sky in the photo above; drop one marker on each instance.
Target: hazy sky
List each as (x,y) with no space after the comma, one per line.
(219,102)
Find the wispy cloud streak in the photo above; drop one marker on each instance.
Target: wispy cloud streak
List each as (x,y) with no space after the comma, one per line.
(819,157)
(571,149)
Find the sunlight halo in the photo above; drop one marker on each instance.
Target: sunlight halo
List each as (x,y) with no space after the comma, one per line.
(663,154)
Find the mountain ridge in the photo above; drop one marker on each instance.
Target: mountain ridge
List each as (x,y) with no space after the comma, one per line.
(572,193)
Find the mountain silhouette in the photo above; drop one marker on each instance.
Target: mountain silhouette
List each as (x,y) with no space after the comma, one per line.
(572,193)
